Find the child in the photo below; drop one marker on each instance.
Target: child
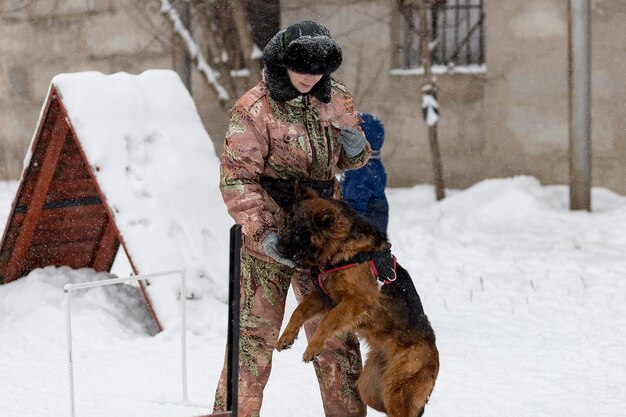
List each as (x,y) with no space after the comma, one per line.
(364,188)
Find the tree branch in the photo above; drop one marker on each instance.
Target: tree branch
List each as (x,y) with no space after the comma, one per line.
(194,52)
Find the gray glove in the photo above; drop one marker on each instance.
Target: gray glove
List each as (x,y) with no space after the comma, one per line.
(352,141)
(269,246)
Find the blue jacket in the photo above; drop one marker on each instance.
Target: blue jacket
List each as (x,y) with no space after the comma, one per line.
(364,188)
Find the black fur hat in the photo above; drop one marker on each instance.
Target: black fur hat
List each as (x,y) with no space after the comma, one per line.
(307,48)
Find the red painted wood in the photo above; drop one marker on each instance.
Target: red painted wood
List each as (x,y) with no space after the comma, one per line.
(71,167)
(61,233)
(107,248)
(52,112)
(80,214)
(72,218)
(55,139)
(8,240)
(74,188)
(72,254)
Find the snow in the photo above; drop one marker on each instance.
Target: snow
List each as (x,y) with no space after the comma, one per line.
(442,69)
(527,298)
(430,109)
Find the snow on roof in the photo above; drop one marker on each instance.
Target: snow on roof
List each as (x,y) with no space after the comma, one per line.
(159,173)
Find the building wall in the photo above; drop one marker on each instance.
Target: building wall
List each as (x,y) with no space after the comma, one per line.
(510,120)
(43,38)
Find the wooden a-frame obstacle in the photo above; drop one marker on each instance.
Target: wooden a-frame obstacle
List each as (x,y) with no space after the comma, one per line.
(59,216)
(120,161)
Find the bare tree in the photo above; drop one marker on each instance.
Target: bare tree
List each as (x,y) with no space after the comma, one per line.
(430,105)
(182,61)
(244,36)
(218,37)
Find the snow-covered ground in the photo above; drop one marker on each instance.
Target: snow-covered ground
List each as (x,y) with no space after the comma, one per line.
(528,301)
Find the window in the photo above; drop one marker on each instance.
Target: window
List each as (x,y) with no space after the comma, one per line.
(455,28)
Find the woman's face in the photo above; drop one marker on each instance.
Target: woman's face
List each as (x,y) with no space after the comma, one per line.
(303,82)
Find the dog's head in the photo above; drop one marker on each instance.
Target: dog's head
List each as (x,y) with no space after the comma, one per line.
(314,230)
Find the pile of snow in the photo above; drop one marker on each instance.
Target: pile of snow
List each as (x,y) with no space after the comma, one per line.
(118,370)
(528,301)
(158,171)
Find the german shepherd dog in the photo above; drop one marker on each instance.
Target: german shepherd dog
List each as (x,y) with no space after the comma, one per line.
(348,257)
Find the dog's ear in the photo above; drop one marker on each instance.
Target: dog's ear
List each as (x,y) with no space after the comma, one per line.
(303,193)
(325,218)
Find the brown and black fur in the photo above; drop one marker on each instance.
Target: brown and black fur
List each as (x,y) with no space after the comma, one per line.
(403,361)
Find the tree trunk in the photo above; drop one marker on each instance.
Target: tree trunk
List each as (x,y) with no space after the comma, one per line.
(244,35)
(184,34)
(264,18)
(182,61)
(429,88)
(213,44)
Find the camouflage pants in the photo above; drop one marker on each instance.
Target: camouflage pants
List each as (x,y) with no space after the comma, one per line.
(264,288)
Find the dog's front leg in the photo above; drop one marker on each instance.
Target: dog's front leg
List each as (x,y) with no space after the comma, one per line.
(311,306)
(346,315)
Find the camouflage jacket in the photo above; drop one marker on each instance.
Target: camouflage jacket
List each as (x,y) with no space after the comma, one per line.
(296,139)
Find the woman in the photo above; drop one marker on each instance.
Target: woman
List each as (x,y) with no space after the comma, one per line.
(297,125)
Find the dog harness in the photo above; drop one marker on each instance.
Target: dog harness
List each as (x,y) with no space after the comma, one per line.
(383,265)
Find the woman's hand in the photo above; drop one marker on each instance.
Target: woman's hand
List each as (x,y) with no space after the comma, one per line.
(269,246)
(352,141)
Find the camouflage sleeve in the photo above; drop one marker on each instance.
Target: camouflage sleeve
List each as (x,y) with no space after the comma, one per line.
(352,119)
(241,164)
(345,163)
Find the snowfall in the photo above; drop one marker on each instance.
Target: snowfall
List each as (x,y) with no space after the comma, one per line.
(527,298)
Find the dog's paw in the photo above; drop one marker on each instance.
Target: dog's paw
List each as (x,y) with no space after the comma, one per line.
(284,343)
(308,356)
(312,350)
